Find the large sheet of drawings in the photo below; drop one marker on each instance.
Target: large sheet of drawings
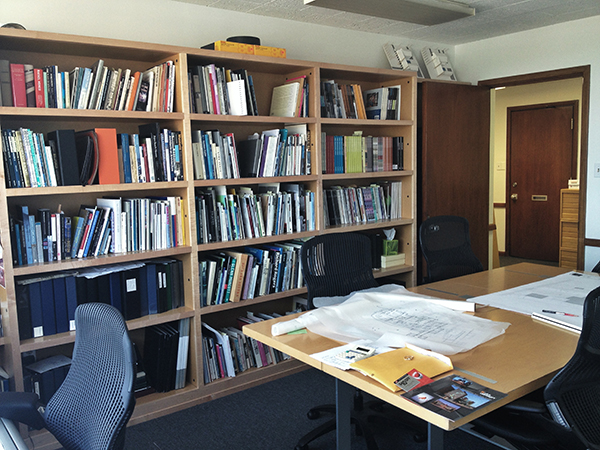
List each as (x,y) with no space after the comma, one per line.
(392,316)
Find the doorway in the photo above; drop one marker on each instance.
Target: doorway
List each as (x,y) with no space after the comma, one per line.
(541,158)
(526,83)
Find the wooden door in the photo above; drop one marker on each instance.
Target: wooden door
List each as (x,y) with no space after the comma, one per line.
(541,157)
(453,157)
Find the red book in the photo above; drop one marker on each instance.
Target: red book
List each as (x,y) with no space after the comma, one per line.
(17,79)
(108,166)
(40,97)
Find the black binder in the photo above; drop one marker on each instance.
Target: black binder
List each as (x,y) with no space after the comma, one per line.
(64,151)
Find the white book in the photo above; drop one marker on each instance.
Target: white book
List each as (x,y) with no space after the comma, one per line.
(115,222)
(237,97)
(284,99)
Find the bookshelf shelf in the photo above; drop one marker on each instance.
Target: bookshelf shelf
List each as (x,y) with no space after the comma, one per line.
(101,189)
(68,52)
(368,123)
(255,241)
(257,300)
(81,114)
(254,181)
(259,120)
(98,261)
(367,175)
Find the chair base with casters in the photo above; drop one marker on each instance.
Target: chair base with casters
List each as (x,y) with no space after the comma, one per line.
(334,265)
(363,414)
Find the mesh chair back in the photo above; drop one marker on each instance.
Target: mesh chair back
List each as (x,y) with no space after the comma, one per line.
(91,408)
(573,395)
(446,246)
(337,264)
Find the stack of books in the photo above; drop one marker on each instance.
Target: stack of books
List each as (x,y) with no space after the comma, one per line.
(96,87)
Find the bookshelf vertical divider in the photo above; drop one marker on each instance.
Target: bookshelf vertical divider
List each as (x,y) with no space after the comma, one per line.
(41,49)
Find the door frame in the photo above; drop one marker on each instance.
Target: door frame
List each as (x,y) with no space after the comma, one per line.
(564,74)
(574,151)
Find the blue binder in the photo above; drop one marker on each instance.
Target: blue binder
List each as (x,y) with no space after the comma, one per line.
(60,305)
(48,311)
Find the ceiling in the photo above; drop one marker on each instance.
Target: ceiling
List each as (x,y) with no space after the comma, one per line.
(492,17)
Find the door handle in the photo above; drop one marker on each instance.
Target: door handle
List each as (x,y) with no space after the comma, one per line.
(514,197)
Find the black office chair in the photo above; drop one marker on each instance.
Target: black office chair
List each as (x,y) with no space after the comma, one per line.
(571,398)
(337,265)
(446,246)
(93,405)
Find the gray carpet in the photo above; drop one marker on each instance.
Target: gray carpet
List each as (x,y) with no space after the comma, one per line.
(269,417)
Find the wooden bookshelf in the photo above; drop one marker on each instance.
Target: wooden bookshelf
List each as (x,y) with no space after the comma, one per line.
(67,51)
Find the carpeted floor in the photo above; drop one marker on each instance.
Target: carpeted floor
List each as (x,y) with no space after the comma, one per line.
(269,417)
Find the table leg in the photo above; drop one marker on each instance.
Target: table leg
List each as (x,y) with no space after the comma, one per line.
(435,437)
(343,402)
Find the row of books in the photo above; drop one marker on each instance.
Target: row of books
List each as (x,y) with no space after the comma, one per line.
(343,101)
(276,153)
(28,161)
(166,351)
(360,154)
(363,204)
(275,209)
(68,158)
(348,101)
(227,351)
(216,90)
(113,225)
(97,87)
(235,275)
(279,152)
(46,304)
(153,154)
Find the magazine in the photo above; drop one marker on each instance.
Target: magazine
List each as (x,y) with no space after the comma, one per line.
(453,396)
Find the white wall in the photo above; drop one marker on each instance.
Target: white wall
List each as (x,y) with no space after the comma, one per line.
(177,23)
(559,46)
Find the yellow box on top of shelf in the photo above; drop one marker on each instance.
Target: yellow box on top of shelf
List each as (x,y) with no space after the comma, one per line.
(234,47)
(264,50)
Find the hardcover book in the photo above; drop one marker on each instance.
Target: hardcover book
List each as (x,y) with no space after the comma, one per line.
(17,80)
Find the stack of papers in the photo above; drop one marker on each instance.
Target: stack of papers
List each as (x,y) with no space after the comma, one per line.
(558,300)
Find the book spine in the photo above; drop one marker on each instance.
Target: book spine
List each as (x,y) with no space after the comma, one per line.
(17,79)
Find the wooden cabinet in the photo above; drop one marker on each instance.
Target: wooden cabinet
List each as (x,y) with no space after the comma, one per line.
(569,228)
(68,52)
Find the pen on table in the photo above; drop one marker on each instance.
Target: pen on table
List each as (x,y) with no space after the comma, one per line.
(559,312)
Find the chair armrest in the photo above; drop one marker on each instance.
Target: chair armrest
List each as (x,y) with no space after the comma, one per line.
(22,407)
(527,406)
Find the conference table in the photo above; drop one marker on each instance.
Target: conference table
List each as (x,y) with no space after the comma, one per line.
(516,363)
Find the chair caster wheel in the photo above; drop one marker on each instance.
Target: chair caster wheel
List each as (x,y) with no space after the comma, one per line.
(420,437)
(312,415)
